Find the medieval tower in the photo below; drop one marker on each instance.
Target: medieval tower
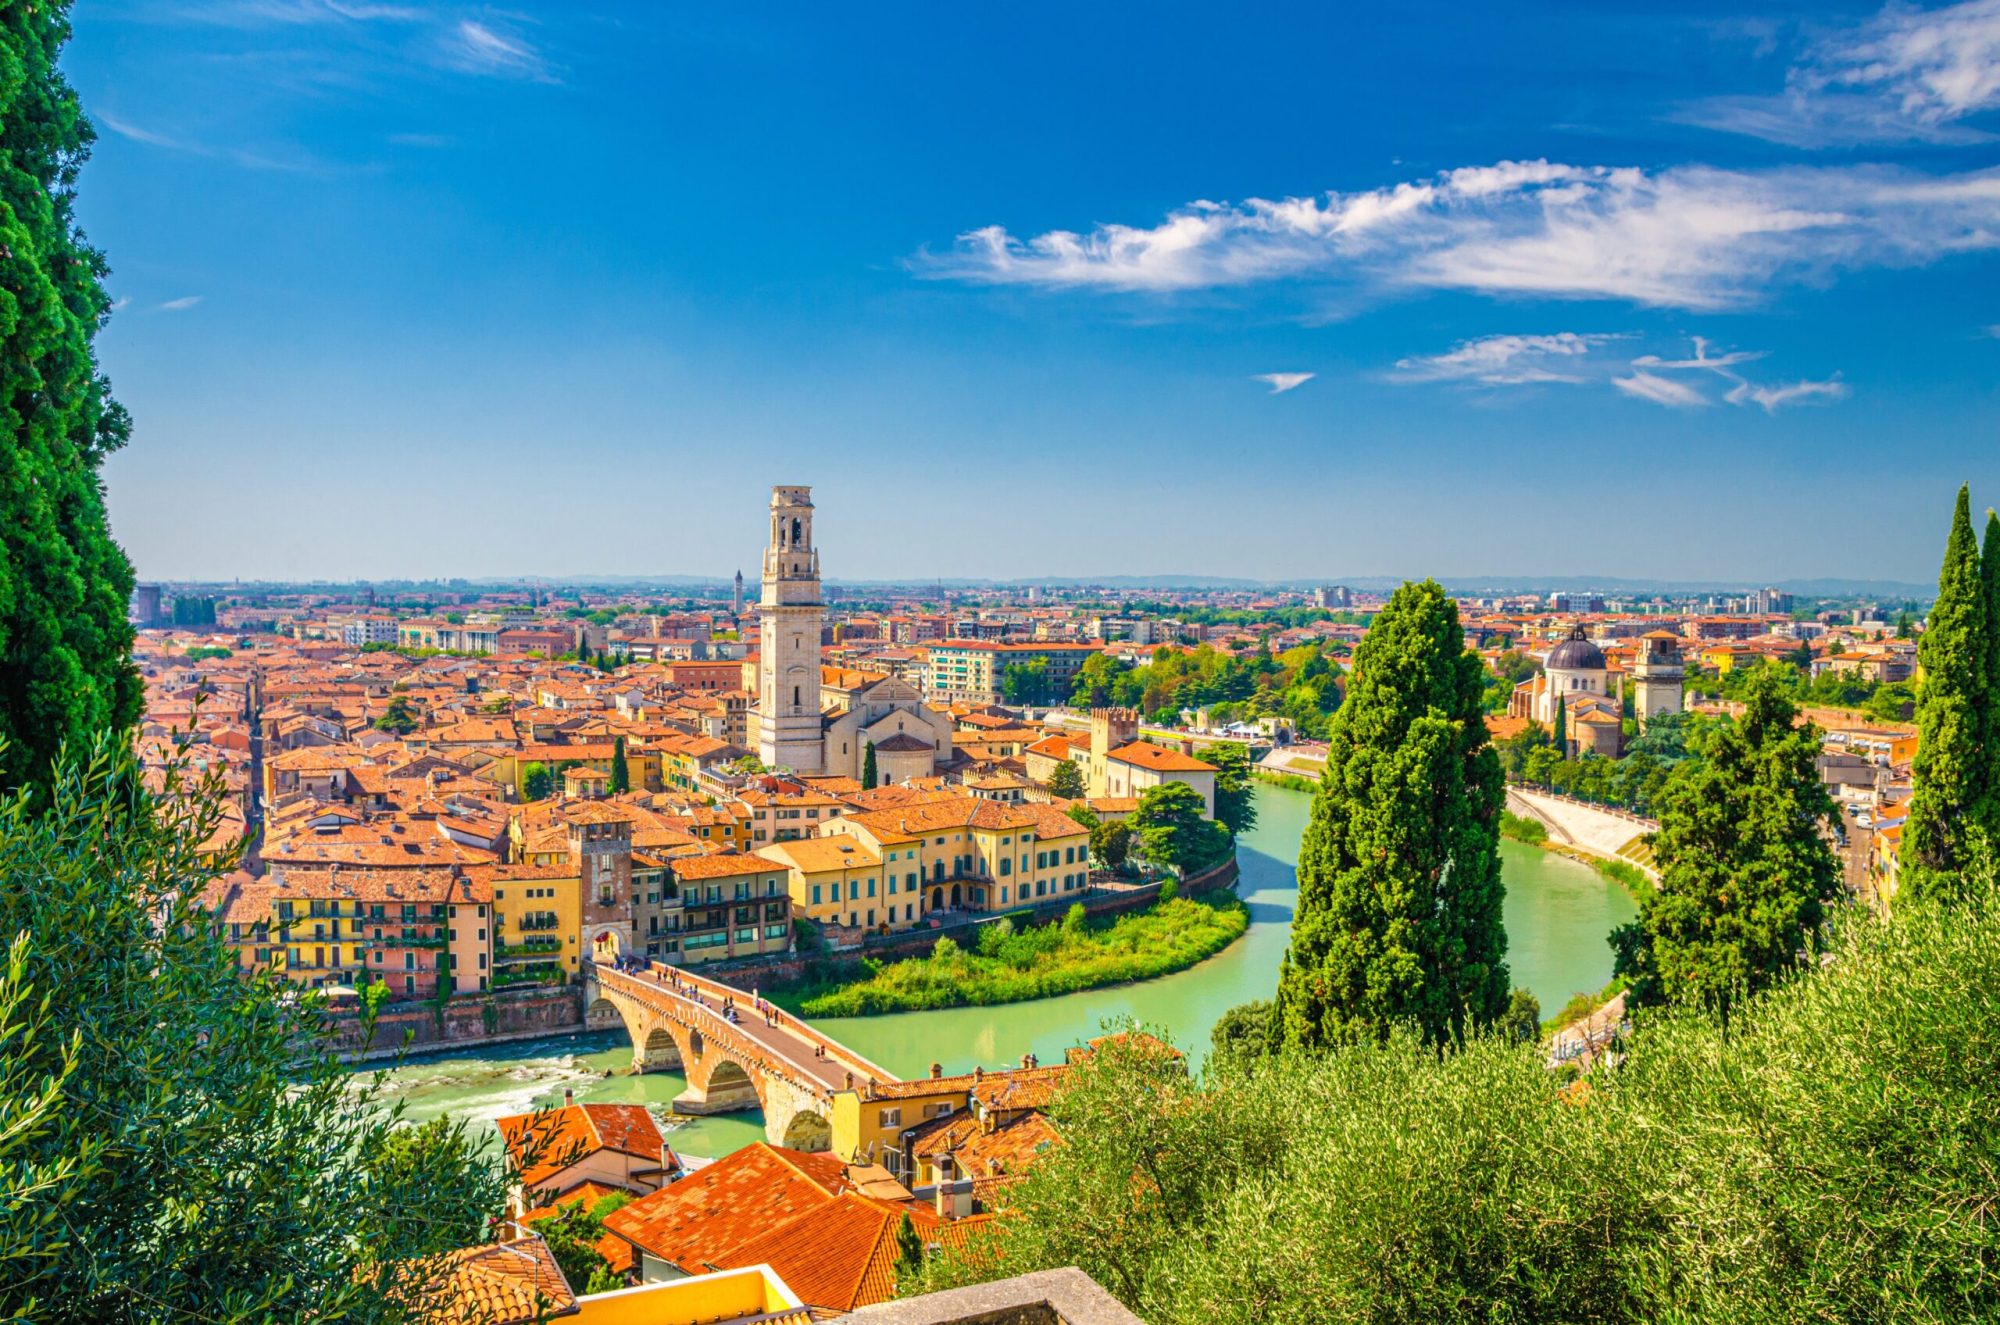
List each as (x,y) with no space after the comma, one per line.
(789,731)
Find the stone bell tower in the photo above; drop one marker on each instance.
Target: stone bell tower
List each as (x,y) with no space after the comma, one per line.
(789,731)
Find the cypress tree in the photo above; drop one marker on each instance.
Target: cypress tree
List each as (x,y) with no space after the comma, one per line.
(1950,773)
(1745,870)
(621,776)
(1399,871)
(1561,736)
(1989,574)
(868,773)
(65,647)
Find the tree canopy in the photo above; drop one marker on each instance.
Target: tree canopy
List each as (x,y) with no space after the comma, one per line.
(211,1158)
(1952,775)
(1399,871)
(65,668)
(1745,870)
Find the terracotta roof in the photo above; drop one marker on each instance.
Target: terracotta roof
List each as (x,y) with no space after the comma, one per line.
(565,1136)
(721,865)
(502,1283)
(716,1209)
(1144,754)
(810,855)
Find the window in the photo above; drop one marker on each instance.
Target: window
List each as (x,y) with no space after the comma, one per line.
(871,887)
(890,1118)
(816,894)
(747,935)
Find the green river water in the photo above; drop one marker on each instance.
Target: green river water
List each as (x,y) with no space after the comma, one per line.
(1558,914)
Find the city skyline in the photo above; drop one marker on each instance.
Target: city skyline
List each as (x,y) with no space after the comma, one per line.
(1667,295)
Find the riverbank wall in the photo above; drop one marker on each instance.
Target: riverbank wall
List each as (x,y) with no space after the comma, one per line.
(463,1023)
(1578,827)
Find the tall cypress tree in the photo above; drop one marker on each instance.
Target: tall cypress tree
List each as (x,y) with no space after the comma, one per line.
(1745,869)
(1399,872)
(65,647)
(621,775)
(868,774)
(1561,736)
(1951,772)
(1989,574)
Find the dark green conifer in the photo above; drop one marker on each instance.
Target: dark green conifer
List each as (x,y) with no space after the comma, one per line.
(1399,872)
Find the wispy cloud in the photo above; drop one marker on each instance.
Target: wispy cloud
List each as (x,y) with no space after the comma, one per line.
(140,134)
(422,139)
(1571,359)
(1771,397)
(180,305)
(269,13)
(1280,383)
(484,48)
(1502,360)
(1690,237)
(1905,74)
(1659,390)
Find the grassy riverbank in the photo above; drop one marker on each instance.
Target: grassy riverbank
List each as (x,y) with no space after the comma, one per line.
(1013,965)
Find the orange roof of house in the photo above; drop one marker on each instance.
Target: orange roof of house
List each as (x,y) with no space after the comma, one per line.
(706,1214)
(562,1137)
(499,1283)
(721,865)
(1144,754)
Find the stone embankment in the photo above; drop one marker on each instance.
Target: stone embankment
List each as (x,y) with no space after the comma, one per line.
(1594,830)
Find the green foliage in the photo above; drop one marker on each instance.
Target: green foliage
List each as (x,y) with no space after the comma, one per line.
(1827,1157)
(1172,829)
(1399,871)
(1745,873)
(573,1232)
(538,783)
(1111,843)
(869,774)
(910,1254)
(1026,684)
(1235,802)
(1066,780)
(397,717)
(1952,775)
(1013,964)
(212,1159)
(1301,684)
(203,652)
(402,1162)
(65,668)
(1246,1030)
(1170,888)
(1532,831)
(196,612)
(621,773)
(1522,1020)
(1510,669)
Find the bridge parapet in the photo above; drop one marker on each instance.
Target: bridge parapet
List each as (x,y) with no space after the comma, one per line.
(780,1064)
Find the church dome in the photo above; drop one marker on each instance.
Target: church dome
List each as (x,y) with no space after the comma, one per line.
(1576,654)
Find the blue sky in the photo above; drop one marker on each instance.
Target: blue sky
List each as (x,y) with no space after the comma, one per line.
(1663,290)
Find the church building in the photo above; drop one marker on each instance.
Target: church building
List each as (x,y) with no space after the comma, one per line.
(815,720)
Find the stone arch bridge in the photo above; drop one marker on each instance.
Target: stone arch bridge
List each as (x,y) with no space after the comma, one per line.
(787,1069)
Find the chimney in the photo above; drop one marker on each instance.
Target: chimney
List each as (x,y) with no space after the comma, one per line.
(569,1097)
(937,1070)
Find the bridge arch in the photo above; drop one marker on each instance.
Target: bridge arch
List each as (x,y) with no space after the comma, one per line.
(808,1130)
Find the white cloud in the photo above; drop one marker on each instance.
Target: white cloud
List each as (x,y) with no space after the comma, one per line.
(1688,237)
(482,48)
(1771,397)
(1572,359)
(1904,74)
(140,134)
(1280,383)
(1502,360)
(1659,390)
(181,304)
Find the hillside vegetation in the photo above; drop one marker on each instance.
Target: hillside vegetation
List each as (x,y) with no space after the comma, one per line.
(1830,1155)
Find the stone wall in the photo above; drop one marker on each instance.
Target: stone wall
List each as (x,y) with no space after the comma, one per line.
(478,1019)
